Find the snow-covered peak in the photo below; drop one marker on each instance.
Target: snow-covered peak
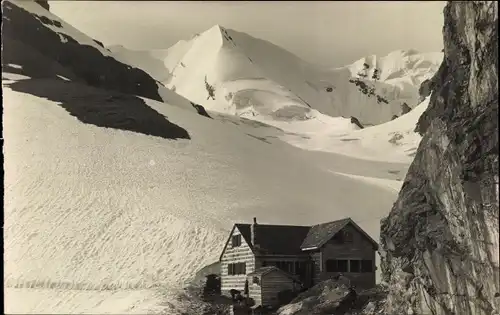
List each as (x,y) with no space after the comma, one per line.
(232,72)
(216,28)
(255,78)
(213,34)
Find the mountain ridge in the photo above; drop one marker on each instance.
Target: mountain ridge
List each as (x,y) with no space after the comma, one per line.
(268,73)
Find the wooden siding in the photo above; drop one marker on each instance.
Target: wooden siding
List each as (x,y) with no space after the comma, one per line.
(359,248)
(242,253)
(271,284)
(255,290)
(316,258)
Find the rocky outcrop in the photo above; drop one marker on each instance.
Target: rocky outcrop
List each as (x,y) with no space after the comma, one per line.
(439,244)
(335,297)
(89,65)
(405,109)
(200,110)
(356,121)
(328,297)
(90,85)
(44,4)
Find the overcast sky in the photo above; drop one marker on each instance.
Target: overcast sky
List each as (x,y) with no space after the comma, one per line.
(325,33)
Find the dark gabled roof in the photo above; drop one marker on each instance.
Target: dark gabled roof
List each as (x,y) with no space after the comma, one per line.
(321,233)
(275,239)
(227,242)
(291,239)
(245,232)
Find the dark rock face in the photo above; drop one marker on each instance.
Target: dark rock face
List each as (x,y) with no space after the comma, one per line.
(426,88)
(355,121)
(44,4)
(86,62)
(439,244)
(50,59)
(30,38)
(103,108)
(98,43)
(34,64)
(200,110)
(405,109)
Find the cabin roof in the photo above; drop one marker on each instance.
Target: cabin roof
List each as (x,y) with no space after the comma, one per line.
(321,233)
(276,239)
(293,239)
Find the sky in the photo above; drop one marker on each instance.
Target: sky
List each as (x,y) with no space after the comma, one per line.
(327,33)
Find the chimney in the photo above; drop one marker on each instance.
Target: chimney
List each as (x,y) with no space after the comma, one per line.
(253,232)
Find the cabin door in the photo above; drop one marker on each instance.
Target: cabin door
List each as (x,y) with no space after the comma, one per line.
(309,274)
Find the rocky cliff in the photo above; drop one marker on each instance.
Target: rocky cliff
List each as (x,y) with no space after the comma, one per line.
(439,244)
(44,4)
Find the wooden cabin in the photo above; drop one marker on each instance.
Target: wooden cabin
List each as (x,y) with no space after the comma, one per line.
(310,253)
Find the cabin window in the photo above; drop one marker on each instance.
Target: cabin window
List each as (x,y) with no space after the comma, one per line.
(354,265)
(236,269)
(236,240)
(337,265)
(366,266)
(349,265)
(255,280)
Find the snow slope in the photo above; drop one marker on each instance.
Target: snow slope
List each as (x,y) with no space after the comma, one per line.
(91,209)
(395,140)
(255,78)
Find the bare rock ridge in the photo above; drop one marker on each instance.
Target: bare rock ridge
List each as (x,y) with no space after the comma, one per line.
(56,65)
(86,62)
(44,4)
(439,244)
